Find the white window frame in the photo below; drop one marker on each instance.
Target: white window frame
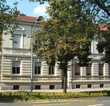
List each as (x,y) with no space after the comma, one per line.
(14,72)
(21,40)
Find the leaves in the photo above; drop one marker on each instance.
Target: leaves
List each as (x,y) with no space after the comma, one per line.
(7,18)
(66,34)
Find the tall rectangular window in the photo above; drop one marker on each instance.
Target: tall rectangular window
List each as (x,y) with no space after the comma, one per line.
(101,85)
(100,69)
(51,69)
(17,41)
(88,70)
(37,68)
(77,70)
(16,67)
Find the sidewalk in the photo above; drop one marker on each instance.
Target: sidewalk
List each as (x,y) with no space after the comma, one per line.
(51,101)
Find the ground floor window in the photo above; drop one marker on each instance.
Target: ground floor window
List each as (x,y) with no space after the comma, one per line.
(37,87)
(15,87)
(51,86)
(16,67)
(51,69)
(37,68)
(77,86)
(89,85)
(101,85)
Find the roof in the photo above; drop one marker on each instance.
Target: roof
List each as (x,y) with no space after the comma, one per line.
(29,19)
(104,27)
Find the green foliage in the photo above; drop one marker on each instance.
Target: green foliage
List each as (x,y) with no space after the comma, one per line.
(104,45)
(65,35)
(29,96)
(7,17)
(61,37)
(98,8)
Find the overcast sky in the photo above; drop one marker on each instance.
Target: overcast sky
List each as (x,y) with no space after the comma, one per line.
(30,8)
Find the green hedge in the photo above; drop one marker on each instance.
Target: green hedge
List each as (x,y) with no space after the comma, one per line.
(25,96)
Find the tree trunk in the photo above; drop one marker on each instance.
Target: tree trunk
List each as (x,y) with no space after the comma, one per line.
(62,86)
(65,81)
(63,66)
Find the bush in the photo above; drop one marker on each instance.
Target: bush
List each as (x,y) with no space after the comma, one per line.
(26,96)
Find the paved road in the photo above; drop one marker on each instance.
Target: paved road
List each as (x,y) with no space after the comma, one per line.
(99,101)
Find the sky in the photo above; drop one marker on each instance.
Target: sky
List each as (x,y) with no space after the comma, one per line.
(30,8)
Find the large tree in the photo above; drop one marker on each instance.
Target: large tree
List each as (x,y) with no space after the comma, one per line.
(102,4)
(66,34)
(7,17)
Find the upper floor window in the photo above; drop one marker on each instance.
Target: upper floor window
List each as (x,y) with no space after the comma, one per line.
(51,69)
(37,68)
(77,69)
(88,72)
(17,41)
(16,67)
(100,69)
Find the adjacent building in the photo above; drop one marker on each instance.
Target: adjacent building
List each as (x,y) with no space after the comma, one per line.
(21,70)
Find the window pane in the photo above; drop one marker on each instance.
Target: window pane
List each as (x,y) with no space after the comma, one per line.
(52,87)
(77,69)
(37,87)
(15,87)
(16,67)
(77,86)
(16,41)
(51,69)
(100,69)
(37,68)
(101,85)
(89,85)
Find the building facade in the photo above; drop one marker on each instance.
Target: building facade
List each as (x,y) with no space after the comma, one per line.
(21,70)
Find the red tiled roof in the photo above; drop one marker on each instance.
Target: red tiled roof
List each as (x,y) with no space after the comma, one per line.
(104,27)
(31,19)
(27,19)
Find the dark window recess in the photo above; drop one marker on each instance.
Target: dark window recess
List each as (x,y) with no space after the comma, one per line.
(101,85)
(16,70)
(52,87)
(51,69)
(17,41)
(37,87)
(37,69)
(89,85)
(16,67)
(77,73)
(77,70)
(88,70)
(100,69)
(15,87)
(77,86)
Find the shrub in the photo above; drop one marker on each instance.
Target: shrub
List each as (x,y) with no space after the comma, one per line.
(25,96)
